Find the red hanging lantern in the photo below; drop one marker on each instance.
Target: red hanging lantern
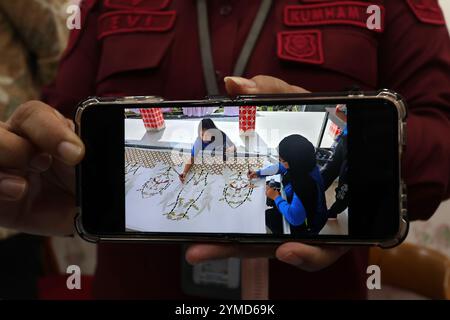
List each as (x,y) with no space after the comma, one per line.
(247,119)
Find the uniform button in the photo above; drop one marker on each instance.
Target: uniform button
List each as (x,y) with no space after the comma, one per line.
(226,9)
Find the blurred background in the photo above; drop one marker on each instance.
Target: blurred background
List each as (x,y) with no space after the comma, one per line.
(33,35)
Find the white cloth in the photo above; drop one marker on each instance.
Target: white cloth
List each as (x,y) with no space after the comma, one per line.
(155,200)
(198,111)
(231,111)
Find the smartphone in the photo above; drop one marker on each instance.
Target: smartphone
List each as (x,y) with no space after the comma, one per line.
(204,171)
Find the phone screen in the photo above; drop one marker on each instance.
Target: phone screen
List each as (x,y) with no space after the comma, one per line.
(277,171)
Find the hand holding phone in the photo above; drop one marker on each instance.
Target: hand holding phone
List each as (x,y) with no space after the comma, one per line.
(37,178)
(306,257)
(215,187)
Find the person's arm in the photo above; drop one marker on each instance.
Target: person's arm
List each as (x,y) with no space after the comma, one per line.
(414,60)
(271,170)
(293,212)
(187,168)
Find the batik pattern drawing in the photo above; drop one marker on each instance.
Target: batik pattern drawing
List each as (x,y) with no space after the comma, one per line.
(191,199)
(185,201)
(132,171)
(237,190)
(158,183)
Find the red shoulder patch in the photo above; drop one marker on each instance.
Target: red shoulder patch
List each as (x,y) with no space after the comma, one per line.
(137,4)
(427,11)
(135,21)
(337,12)
(301,46)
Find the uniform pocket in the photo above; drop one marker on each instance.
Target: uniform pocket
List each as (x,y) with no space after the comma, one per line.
(132,51)
(133,40)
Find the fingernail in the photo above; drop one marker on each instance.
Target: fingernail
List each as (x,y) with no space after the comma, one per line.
(69,151)
(41,162)
(292,258)
(242,82)
(12,188)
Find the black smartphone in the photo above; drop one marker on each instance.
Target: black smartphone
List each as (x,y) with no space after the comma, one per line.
(316,168)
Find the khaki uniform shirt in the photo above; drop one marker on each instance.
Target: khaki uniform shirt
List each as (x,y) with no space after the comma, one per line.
(33,35)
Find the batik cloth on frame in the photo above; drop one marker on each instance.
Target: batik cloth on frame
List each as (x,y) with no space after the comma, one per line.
(216,197)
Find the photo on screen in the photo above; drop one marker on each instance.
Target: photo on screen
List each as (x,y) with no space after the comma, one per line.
(279,170)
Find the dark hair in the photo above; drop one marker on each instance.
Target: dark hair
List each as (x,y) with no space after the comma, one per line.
(206,124)
(299,153)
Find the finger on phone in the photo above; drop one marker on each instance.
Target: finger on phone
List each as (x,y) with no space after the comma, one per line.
(48,130)
(12,188)
(16,152)
(205,252)
(259,85)
(307,257)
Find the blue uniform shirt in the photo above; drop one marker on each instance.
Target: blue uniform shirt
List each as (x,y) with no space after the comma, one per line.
(292,209)
(200,145)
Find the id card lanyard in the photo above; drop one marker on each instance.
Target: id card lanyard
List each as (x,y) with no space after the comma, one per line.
(209,72)
(254,272)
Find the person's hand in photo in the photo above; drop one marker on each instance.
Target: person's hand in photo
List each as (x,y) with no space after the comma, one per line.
(306,257)
(272,193)
(252,175)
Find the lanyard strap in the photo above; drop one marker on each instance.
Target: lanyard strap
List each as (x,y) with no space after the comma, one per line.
(254,277)
(209,71)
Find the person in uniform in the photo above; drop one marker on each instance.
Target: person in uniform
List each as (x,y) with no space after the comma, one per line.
(154,47)
(209,138)
(304,207)
(338,168)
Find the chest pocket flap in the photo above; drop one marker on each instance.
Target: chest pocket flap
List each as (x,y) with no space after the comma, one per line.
(133,40)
